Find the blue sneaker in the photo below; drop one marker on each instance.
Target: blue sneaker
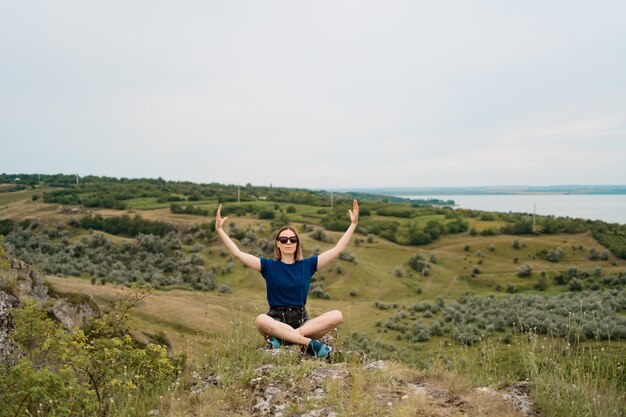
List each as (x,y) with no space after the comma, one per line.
(317,348)
(274,343)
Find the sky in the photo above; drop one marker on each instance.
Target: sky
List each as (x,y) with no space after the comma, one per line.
(316,94)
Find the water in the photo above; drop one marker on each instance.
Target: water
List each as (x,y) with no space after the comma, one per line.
(609,208)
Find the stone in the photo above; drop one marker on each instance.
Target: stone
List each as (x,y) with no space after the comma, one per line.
(7,302)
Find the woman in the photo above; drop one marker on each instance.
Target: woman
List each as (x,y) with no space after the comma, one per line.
(287,280)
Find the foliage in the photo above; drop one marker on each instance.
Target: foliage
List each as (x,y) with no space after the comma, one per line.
(60,372)
(125,226)
(552,255)
(150,258)
(189,209)
(585,315)
(337,221)
(319,235)
(348,256)
(525,271)
(317,289)
(267,214)
(518,226)
(417,262)
(6,226)
(613,236)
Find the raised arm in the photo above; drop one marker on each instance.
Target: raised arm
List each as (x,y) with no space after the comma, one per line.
(248,260)
(326,257)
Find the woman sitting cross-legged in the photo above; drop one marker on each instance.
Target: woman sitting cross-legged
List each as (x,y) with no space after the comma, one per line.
(287,280)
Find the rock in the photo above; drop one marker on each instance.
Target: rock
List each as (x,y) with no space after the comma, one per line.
(379,364)
(29,282)
(74,314)
(518,395)
(322,412)
(7,302)
(200,383)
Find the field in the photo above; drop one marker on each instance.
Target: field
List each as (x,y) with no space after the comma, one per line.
(380,294)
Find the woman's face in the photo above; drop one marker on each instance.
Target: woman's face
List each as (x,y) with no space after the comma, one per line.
(287,242)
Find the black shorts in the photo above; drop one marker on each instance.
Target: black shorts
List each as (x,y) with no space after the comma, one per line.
(293,316)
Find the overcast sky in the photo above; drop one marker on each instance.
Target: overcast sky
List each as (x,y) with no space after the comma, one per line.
(316,94)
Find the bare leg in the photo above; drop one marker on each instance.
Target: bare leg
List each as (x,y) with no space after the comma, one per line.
(268,326)
(319,326)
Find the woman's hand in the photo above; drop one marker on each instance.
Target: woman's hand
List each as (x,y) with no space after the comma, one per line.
(219,221)
(332,253)
(248,260)
(354,213)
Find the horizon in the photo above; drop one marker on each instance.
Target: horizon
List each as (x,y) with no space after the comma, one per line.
(491,187)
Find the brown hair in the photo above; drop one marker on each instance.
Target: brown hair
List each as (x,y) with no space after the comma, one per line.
(277,254)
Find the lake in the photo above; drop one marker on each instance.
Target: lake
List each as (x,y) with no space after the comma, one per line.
(610,208)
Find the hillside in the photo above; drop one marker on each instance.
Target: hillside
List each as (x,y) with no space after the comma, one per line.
(427,290)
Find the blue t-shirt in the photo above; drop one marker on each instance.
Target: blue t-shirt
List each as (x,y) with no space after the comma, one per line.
(288,284)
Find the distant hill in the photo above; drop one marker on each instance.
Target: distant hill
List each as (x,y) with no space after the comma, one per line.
(513,189)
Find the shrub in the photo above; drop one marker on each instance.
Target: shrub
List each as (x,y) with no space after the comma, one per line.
(541,284)
(319,235)
(381,306)
(553,255)
(225,288)
(575,285)
(525,271)
(347,256)
(50,377)
(417,263)
(399,272)
(267,214)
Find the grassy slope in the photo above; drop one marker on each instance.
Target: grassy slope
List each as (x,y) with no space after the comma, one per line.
(372,276)
(196,323)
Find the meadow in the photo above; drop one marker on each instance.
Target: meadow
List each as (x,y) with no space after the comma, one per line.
(474,306)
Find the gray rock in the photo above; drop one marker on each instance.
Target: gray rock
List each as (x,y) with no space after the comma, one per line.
(74,314)
(7,302)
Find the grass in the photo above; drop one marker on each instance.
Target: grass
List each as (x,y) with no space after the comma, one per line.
(216,333)
(236,379)
(12,197)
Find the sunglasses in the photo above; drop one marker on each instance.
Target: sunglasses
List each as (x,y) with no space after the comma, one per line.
(283,239)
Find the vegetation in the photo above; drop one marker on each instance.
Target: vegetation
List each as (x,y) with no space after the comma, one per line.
(483,295)
(98,371)
(148,259)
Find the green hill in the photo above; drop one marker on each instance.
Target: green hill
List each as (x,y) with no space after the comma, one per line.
(432,289)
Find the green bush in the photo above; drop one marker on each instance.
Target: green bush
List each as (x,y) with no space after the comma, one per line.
(525,271)
(417,262)
(267,214)
(80,373)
